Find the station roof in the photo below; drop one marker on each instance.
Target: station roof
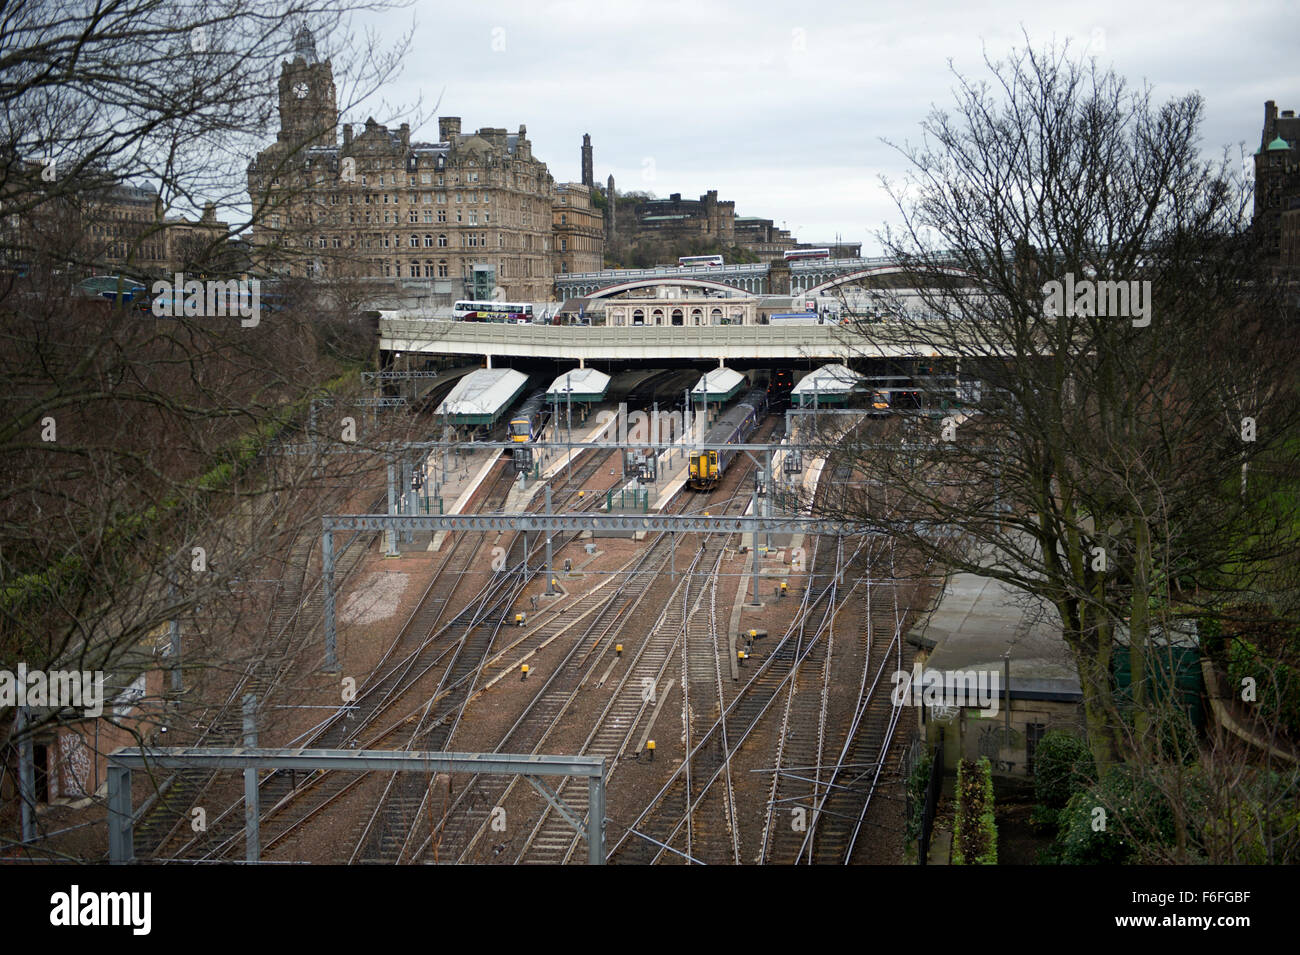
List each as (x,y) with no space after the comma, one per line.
(828,380)
(483,395)
(720,384)
(587,384)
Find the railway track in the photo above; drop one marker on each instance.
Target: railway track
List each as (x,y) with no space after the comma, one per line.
(669,817)
(290,627)
(853,780)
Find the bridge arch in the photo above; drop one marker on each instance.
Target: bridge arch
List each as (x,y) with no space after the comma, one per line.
(849,277)
(653,282)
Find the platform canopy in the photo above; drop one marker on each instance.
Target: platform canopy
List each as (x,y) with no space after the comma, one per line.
(581,384)
(720,384)
(482,396)
(828,385)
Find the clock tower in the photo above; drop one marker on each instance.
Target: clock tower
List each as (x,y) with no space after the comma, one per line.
(308,108)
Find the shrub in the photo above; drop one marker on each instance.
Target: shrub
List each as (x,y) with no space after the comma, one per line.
(975,834)
(1134,814)
(1062,766)
(1277,686)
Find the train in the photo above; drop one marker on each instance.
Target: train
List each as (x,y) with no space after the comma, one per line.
(779,386)
(526,423)
(707,467)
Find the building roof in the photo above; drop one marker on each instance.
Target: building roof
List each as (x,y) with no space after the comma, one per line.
(486,392)
(585,383)
(1279,143)
(719,381)
(828,380)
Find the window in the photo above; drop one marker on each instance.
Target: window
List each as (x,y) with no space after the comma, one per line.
(427,198)
(337,242)
(458,197)
(473,197)
(321,242)
(440,182)
(412,217)
(428,241)
(487,217)
(442,268)
(473,217)
(472,177)
(442,215)
(459,216)
(564,245)
(428,269)
(415,270)
(425,178)
(411,197)
(442,241)
(410,180)
(414,241)
(442,198)
(385,198)
(388,217)
(564,220)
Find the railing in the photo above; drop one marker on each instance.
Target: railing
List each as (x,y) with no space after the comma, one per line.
(628,499)
(932,790)
(747,268)
(566,337)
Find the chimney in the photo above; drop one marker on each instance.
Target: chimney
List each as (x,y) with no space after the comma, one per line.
(448,128)
(406,135)
(347,135)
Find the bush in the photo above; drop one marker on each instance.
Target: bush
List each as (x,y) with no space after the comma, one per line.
(975,834)
(1277,686)
(1133,814)
(1062,766)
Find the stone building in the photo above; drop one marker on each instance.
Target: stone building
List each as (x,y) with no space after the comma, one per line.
(577,227)
(1277,177)
(99,229)
(763,237)
(462,217)
(673,219)
(1289,234)
(689,310)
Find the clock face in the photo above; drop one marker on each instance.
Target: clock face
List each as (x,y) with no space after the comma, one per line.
(300,90)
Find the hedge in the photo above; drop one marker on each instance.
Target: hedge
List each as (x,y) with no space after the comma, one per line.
(975,834)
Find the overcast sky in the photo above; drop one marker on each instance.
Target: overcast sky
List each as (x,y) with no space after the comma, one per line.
(782,106)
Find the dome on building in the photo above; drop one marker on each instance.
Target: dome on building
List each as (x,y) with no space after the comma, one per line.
(1278,143)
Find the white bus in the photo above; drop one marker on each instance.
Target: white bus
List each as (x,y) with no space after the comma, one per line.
(688,261)
(799,255)
(471,311)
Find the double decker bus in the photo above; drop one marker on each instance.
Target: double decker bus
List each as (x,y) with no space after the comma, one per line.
(798,255)
(471,311)
(689,261)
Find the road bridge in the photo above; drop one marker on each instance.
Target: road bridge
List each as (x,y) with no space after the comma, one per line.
(655,343)
(807,277)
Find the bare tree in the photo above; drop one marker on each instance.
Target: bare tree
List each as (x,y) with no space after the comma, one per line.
(160,469)
(1119,442)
